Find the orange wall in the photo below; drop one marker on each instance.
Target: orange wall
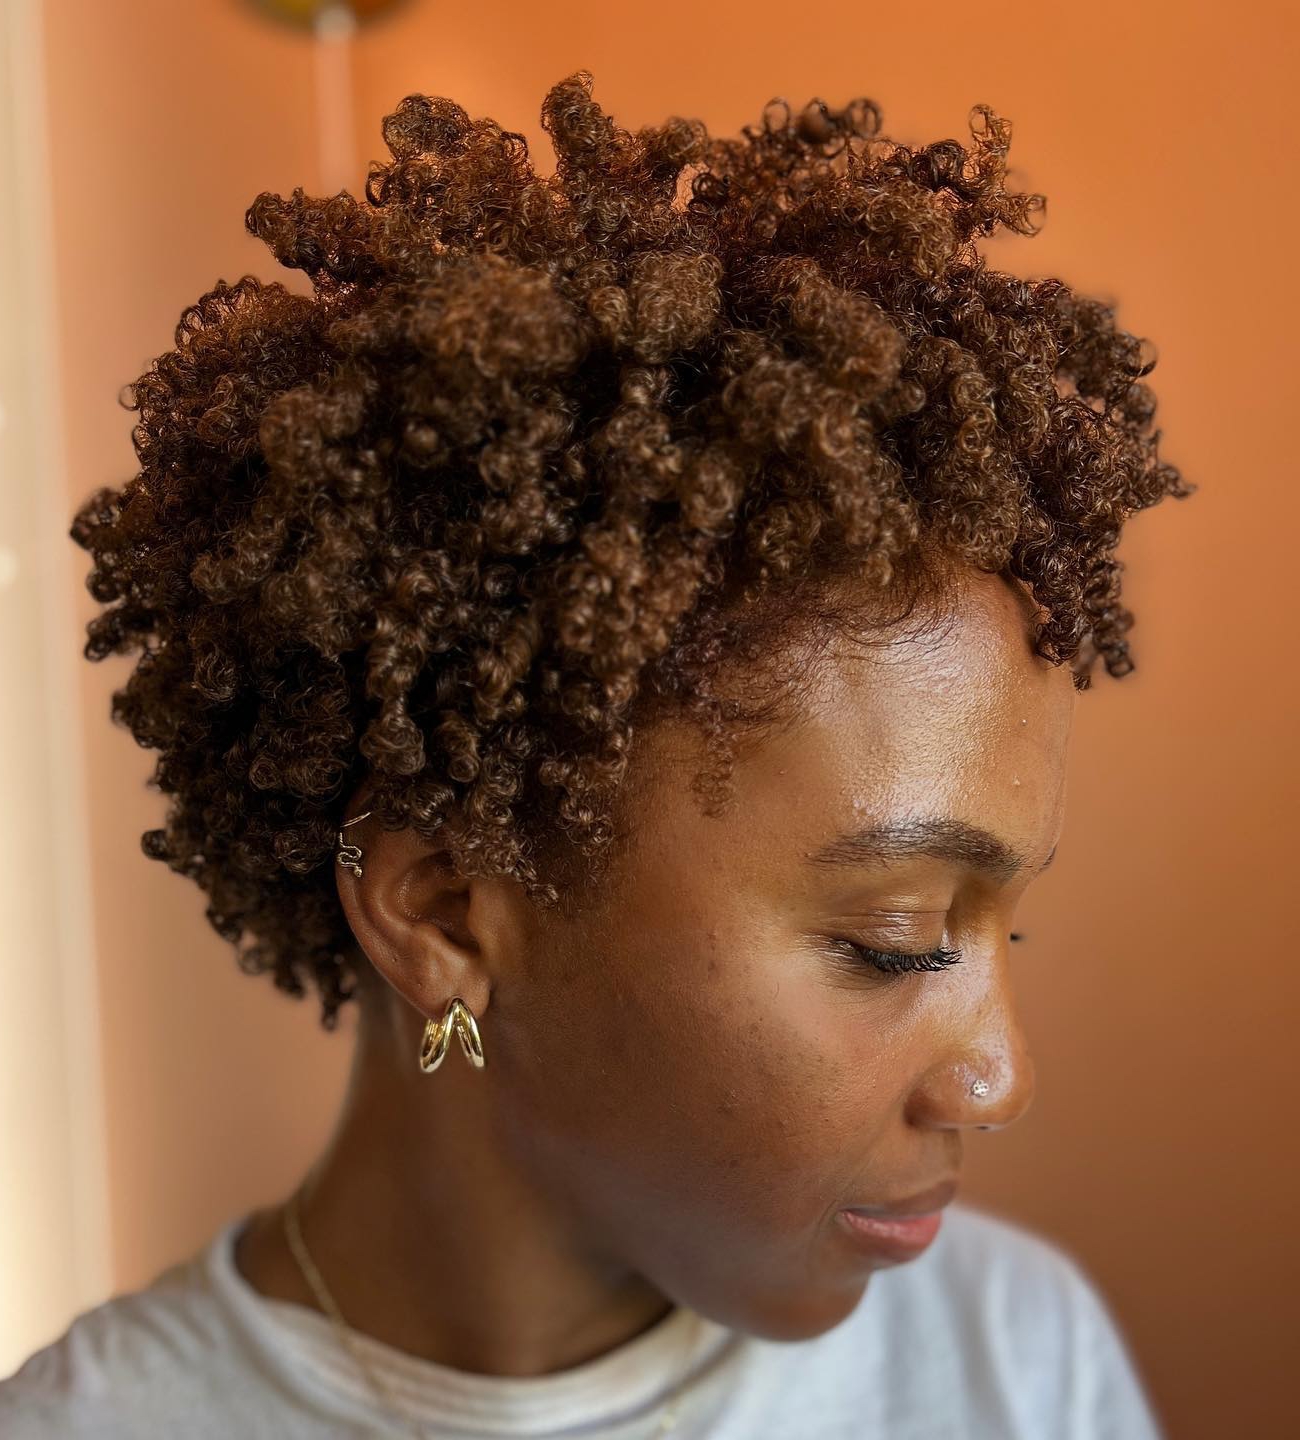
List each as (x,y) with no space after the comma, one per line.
(1157,982)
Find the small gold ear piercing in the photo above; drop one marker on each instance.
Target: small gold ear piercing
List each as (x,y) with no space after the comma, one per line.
(349,856)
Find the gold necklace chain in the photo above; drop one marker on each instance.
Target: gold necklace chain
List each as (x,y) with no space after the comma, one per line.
(665,1421)
(293,1233)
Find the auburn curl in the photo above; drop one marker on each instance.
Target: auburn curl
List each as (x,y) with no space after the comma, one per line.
(540,458)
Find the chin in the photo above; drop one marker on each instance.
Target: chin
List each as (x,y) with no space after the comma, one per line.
(802,1316)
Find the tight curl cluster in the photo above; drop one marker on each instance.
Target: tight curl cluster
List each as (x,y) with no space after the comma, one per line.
(540,457)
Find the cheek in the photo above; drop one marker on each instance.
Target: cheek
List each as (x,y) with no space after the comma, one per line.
(715,1095)
(700,1122)
(815,1075)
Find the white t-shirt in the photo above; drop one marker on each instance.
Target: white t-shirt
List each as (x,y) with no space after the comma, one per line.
(991,1334)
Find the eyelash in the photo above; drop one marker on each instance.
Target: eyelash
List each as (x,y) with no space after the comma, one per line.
(901,962)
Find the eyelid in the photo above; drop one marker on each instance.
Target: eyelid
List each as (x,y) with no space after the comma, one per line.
(903,962)
(908,962)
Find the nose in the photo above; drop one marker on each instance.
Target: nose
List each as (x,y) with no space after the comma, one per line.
(982,1074)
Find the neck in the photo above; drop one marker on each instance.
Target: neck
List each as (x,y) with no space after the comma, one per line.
(430,1239)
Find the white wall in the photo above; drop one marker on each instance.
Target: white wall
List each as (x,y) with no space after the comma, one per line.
(54,1233)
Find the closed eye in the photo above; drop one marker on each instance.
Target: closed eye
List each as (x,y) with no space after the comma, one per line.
(904,962)
(900,962)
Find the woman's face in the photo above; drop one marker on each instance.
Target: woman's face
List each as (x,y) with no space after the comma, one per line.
(698,1066)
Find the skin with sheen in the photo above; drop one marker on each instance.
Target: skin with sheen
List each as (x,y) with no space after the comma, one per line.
(686,1084)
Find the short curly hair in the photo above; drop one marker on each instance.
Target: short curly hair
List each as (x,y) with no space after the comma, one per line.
(541,456)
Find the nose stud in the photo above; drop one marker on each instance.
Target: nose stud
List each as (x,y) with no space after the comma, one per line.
(979,1088)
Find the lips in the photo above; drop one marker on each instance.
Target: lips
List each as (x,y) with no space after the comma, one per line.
(894,1234)
(891,1241)
(924,1202)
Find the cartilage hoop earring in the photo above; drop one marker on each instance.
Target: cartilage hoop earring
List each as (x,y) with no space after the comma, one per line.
(437,1036)
(349,856)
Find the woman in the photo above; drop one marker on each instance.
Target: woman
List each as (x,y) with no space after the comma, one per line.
(622,631)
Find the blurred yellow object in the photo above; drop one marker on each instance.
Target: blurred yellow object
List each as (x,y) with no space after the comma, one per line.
(304,12)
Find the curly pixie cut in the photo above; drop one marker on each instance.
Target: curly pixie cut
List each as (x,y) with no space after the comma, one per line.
(541,458)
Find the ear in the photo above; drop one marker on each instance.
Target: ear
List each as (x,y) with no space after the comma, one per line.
(431,933)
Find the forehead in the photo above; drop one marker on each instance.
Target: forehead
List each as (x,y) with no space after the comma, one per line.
(953,720)
(959,723)
(945,708)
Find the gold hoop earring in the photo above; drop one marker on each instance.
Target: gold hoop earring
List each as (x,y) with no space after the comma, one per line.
(437,1037)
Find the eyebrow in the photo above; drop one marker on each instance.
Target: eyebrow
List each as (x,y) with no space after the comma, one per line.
(945,839)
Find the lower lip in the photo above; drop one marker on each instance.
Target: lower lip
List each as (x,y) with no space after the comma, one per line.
(894,1237)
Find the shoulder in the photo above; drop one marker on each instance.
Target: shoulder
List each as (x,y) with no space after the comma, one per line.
(1002,1271)
(1023,1331)
(985,1280)
(114,1368)
(1011,1288)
